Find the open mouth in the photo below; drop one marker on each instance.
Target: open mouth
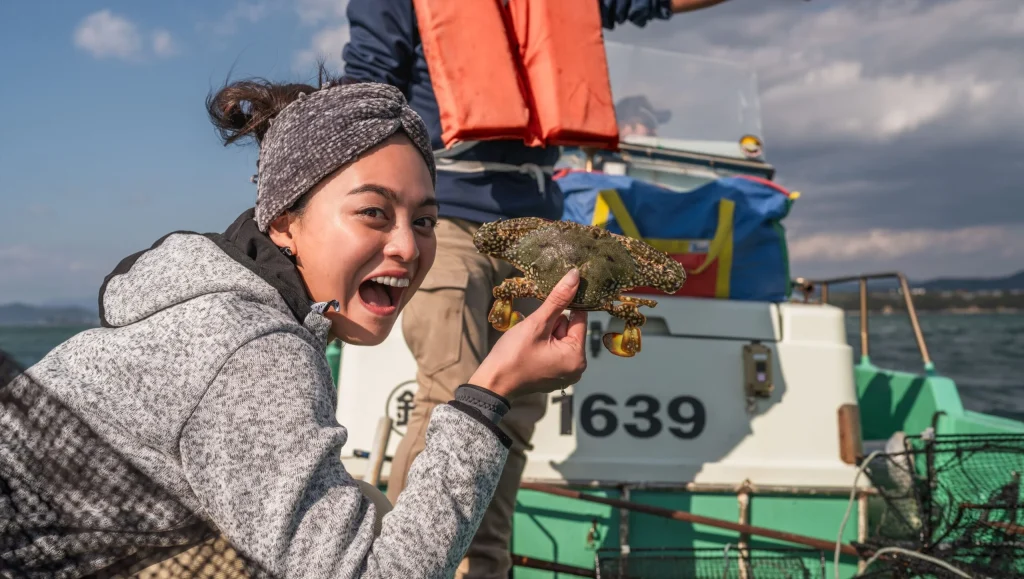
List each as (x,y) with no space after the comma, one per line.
(381,295)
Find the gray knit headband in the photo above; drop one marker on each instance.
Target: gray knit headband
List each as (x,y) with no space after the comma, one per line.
(314,135)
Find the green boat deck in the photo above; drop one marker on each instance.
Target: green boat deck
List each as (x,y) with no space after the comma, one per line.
(570,532)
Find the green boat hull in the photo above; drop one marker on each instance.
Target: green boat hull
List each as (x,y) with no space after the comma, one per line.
(580,534)
(570,532)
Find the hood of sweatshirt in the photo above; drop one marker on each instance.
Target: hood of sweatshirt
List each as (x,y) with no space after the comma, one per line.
(241,260)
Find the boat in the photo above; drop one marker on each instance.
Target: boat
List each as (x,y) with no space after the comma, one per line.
(736,443)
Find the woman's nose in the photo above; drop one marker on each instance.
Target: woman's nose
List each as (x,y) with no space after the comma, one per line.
(402,245)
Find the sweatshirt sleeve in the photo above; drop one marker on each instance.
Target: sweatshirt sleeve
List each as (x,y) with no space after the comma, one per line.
(382,42)
(639,12)
(261,452)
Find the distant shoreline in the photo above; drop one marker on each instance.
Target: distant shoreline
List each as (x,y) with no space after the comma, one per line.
(950,311)
(26,315)
(1009,302)
(876,311)
(966,303)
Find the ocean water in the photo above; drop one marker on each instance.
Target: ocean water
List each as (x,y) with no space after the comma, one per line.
(982,353)
(28,344)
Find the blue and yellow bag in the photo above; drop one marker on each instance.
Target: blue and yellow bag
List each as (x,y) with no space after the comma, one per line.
(727,234)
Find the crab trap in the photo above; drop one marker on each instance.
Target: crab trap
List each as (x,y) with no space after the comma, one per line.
(956,499)
(71,505)
(710,563)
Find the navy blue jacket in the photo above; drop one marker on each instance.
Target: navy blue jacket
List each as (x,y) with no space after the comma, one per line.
(384,46)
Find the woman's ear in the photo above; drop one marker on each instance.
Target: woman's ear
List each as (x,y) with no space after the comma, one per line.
(280,232)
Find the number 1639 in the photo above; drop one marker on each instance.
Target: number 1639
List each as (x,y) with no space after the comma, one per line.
(685,416)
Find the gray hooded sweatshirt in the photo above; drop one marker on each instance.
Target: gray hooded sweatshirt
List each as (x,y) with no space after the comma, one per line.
(209,376)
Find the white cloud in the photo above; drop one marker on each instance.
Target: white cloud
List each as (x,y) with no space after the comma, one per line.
(242,12)
(310,12)
(104,34)
(163,43)
(107,35)
(895,118)
(887,244)
(872,70)
(316,11)
(328,44)
(878,110)
(331,37)
(838,100)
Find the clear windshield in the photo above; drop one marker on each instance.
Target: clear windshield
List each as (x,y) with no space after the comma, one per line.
(681,101)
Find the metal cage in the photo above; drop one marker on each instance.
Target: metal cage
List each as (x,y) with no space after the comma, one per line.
(709,563)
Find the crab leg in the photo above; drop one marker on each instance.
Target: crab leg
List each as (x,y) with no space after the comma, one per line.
(638,301)
(626,344)
(501,315)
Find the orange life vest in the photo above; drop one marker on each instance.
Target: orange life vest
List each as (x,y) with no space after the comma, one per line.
(533,70)
(561,54)
(472,70)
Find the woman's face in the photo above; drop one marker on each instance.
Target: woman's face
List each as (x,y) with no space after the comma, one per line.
(366,239)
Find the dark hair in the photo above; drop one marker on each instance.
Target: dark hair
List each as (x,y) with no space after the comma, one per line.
(244,108)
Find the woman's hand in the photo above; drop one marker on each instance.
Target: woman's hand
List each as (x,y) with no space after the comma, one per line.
(542,353)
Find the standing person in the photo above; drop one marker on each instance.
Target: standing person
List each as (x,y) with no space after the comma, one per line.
(445,324)
(636,116)
(204,405)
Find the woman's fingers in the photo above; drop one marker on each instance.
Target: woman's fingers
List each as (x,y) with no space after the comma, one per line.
(554,344)
(577,327)
(561,327)
(572,355)
(574,326)
(558,300)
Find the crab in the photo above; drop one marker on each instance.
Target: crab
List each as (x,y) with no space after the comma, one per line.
(545,250)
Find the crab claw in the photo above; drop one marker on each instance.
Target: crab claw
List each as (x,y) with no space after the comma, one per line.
(626,344)
(516,318)
(502,317)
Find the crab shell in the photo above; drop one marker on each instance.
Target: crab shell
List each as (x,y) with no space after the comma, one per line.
(545,250)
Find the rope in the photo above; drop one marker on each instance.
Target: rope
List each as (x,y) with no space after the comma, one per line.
(903,551)
(846,518)
(849,509)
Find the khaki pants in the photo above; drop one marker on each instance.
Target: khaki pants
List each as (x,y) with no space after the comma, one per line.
(445,325)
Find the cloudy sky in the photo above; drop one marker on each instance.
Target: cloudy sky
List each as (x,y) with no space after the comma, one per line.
(900,121)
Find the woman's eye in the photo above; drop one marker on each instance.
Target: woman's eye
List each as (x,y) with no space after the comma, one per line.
(429,222)
(374,212)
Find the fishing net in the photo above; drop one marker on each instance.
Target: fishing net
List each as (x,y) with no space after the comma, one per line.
(71,506)
(710,563)
(957,498)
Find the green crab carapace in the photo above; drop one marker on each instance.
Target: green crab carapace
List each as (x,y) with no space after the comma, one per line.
(609,264)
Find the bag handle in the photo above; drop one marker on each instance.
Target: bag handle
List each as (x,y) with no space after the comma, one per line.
(609,202)
(723,232)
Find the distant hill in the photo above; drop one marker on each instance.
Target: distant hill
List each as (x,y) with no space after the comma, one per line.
(30,315)
(967,284)
(1015,281)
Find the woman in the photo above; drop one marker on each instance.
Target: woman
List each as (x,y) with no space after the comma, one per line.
(209,374)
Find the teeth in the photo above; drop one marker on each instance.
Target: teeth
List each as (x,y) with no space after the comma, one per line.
(392,281)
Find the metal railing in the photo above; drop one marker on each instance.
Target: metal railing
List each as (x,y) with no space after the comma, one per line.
(807,287)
